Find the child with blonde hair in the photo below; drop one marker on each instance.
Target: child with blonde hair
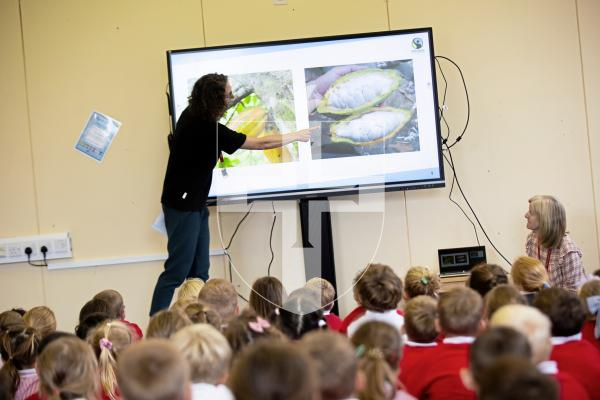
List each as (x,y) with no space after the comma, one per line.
(199,314)
(420,314)
(590,296)
(421,280)
(190,288)
(153,369)
(42,319)
(165,323)
(327,291)
(266,297)
(378,291)
(68,369)
(19,346)
(108,341)
(220,295)
(529,276)
(379,350)
(208,354)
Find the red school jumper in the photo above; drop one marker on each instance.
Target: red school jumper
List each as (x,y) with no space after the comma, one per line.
(580,359)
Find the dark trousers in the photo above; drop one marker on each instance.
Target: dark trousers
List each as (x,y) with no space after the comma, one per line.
(188,247)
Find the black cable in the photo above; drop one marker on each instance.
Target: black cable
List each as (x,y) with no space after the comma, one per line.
(458,139)
(441,109)
(471,208)
(238,226)
(271,240)
(28,251)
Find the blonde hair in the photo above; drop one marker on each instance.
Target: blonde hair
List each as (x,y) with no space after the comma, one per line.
(326,290)
(460,311)
(589,289)
(379,350)
(420,280)
(165,323)
(532,323)
(152,369)
(529,274)
(108,341)
(199,314)
(116,307)
(190,288)
(206,350)
(221,296)
(68,365)
(42,319)
(420,314)
(551,218)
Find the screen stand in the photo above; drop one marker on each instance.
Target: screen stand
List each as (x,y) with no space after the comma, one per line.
(317,240)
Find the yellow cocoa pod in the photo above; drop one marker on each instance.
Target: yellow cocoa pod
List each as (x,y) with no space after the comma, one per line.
(250,122)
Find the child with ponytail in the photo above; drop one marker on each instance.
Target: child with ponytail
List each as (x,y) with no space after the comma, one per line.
(19,347)
(108,341)
(379,350)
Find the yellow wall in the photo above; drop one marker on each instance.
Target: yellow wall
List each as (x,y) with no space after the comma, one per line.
(532,74)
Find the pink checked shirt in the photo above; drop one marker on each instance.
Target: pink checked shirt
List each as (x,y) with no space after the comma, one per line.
(565,268)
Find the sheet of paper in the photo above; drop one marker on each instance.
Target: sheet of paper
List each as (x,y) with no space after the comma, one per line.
(97,135)
(159,224)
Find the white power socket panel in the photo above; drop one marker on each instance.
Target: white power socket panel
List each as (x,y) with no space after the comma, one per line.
(12,250)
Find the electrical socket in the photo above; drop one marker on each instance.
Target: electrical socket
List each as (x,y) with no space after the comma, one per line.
(12,250)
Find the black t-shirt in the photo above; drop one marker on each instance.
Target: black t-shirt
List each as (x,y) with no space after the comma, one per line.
(194,153)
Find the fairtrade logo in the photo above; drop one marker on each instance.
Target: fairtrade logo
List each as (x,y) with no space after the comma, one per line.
(417,43)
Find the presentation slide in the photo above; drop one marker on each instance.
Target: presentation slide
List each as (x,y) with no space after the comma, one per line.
(371,97)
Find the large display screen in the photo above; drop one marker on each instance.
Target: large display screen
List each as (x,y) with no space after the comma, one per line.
(372,97)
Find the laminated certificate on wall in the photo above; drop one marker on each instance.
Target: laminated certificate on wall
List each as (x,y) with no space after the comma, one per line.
(97,135)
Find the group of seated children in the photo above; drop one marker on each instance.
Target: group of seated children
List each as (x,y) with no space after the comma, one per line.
(494,338)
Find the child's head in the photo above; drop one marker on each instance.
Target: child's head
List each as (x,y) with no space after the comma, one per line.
(19,346)
(529,274)
(301,313)
(590,296)
(247,328)
(165,323)
(206,351)
(326,289)
(531,323)
(199,314)
(153,369)
(271,371)
(488,346)
(460,312)
(91,315)
(67,367)
(564,309)
(420,313)
(220,295)
(116,307)
(108,341)
(421,281)
(266,297)
(484,277)
(378,288)
(94,306)
(190,288)
(379,349)
(512,377)
(42,319)
(8,319)
(335,363)
(499,296)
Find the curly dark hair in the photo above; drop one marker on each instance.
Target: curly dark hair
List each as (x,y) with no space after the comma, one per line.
(208,97)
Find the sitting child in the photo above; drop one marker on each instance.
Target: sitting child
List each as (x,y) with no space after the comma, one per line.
(19,346)
(335,362)
(590,295)
(327,291)
(273,371)
(153,369)
(117,310)
(500,296)
(420,314)
(220,295)
(529,276)
(379,350)
(460,312)
(92,314)
(266,297)
(208,355)
(378,290)
(42,319)
(484,277)
(572,354)
(301,313)
(247,328)
(165,323)
(421,281)
(199,314)
(190,289)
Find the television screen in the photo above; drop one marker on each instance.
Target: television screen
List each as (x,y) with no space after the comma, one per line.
(372,98)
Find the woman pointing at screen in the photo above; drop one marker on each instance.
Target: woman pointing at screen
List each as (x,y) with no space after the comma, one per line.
(197,143)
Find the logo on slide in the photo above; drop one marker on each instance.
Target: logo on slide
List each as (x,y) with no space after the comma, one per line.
(417,43)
